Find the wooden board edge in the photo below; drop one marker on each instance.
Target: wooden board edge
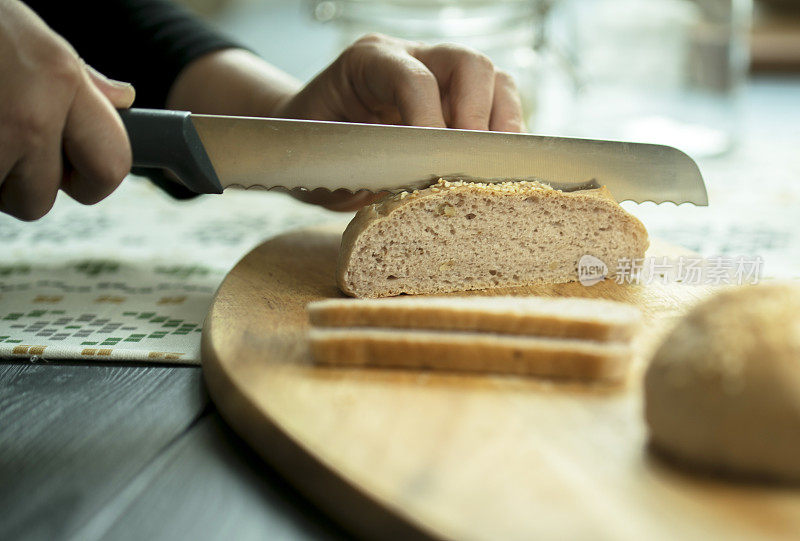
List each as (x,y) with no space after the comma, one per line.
(344,503)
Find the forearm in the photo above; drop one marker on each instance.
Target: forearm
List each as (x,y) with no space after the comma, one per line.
(231,82)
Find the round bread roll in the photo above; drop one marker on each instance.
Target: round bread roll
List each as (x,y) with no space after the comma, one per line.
(723,390)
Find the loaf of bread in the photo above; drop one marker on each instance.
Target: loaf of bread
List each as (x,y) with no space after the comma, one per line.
(553,317)
(723,390)
(457,236)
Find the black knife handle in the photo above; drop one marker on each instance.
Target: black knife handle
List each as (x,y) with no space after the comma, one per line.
(168,140)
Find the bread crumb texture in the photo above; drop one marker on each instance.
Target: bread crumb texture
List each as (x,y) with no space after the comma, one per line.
(458,236)
(723,389)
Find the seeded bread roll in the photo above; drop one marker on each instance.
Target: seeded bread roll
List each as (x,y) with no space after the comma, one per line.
(457,236)
(723,390)
(472,352)
(554,317)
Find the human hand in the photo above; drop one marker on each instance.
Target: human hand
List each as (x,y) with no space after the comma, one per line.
(58,122)
(385,80)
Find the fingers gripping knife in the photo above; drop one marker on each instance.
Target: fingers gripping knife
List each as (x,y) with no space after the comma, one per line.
(208,153)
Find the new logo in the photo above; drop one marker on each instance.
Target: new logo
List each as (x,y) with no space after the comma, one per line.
(591,270)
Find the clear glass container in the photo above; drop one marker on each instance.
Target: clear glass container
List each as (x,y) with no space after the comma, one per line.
(663,71)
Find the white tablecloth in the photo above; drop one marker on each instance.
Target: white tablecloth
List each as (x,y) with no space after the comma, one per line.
(132,277)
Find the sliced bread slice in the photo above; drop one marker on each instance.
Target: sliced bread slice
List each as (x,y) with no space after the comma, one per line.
(471,352)
(559,317)
(457,236)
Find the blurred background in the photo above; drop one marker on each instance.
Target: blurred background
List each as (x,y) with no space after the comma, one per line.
(665,71)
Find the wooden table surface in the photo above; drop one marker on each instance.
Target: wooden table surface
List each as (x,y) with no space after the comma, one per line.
(133,452)
(93,451)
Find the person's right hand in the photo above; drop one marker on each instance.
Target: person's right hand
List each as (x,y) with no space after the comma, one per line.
(58,122)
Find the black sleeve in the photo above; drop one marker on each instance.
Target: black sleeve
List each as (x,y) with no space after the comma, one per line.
(143,42)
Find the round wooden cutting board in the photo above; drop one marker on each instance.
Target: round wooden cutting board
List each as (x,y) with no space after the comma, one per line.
(402,453)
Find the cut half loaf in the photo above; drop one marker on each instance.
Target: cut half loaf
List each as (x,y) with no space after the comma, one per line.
(555,317)
(457,236)
(471,352)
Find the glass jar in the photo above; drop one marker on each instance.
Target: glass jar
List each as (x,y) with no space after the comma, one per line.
(662,71)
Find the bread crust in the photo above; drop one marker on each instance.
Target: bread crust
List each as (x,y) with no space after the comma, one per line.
(370,217)
(472,352)
(557,317)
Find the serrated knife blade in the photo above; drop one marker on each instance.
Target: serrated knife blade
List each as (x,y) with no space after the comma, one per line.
(210,153)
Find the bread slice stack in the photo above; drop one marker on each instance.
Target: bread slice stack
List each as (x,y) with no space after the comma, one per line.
(573,338)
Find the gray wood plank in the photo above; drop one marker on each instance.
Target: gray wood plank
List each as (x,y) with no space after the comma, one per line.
(209,486)
(72,436)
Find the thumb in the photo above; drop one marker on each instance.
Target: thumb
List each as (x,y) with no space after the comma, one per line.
(120,94)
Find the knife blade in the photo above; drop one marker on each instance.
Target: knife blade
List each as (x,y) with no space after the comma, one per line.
(209,153)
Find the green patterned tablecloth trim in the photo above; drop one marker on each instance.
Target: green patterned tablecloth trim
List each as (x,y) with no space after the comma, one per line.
(132,278)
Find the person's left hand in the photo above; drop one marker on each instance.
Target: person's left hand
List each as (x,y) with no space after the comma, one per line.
(378,79)
(385,80)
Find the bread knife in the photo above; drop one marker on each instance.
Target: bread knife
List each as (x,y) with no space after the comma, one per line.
(209,153)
